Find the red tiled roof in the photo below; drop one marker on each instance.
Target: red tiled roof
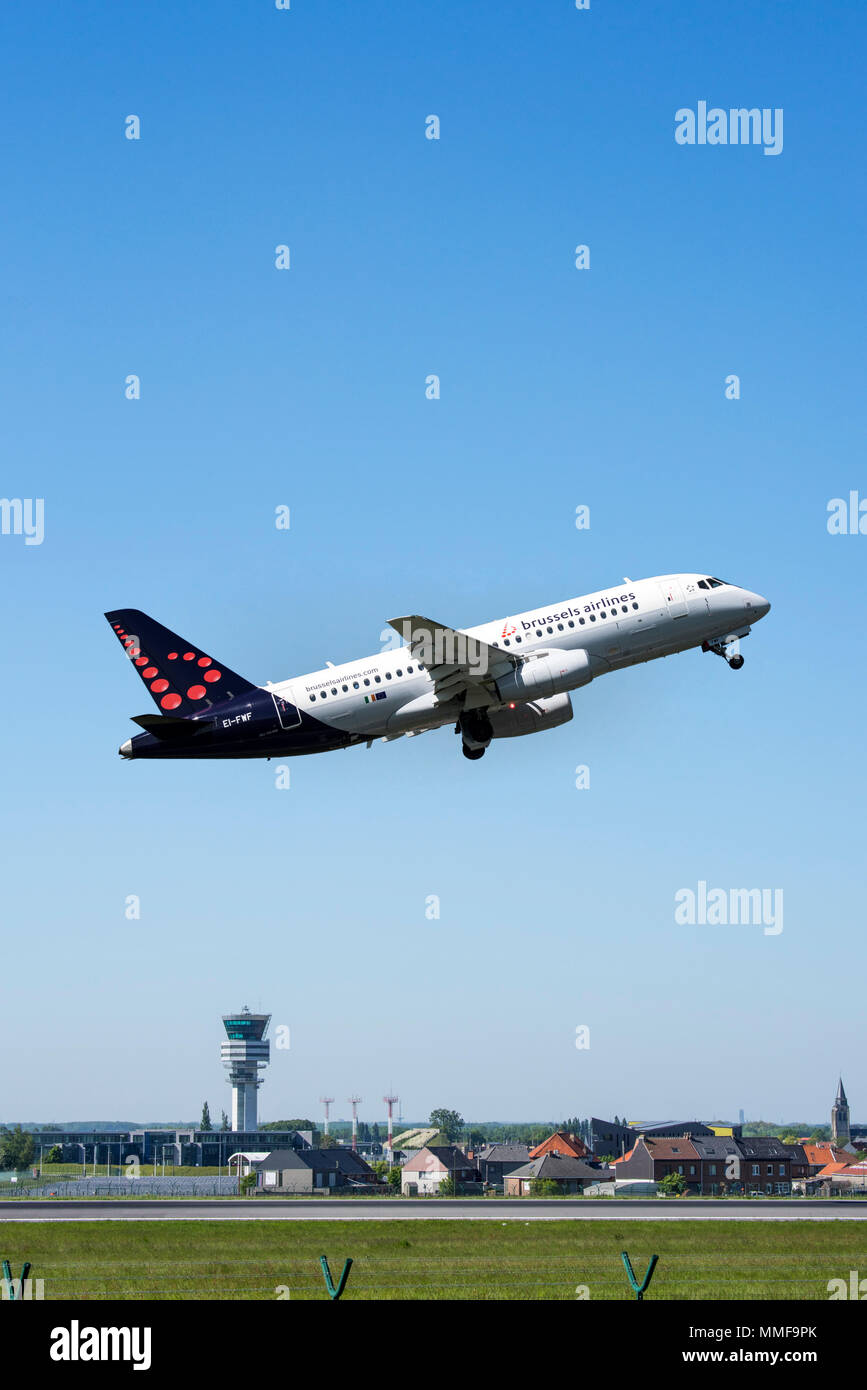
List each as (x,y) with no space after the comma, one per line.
(568,1144)
(824,1153)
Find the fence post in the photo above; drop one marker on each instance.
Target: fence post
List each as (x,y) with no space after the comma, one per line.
(648,1274)
(335,1293)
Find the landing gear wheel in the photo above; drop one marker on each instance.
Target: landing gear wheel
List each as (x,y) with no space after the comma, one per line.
(736,662)
(472,753)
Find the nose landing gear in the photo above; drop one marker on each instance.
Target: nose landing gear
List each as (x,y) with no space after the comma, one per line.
(729,648)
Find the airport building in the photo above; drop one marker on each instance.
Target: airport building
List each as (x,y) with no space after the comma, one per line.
(206,1148)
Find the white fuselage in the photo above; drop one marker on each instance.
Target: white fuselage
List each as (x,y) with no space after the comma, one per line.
(628,623)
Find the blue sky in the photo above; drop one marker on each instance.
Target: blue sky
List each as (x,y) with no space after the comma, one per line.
(306,388)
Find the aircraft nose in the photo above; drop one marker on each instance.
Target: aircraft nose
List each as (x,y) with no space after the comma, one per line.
(757,606)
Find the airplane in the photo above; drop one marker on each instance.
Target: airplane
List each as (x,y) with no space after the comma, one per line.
(502,679)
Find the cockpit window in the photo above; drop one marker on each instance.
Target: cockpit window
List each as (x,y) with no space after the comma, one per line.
(702,584)
(715,583)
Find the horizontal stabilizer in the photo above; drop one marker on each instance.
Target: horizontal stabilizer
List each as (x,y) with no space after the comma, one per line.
(164,726)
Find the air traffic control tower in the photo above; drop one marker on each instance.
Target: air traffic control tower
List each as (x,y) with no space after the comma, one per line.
(244,1053)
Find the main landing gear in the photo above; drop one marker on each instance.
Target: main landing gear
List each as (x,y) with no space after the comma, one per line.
(729,648)
(475,730)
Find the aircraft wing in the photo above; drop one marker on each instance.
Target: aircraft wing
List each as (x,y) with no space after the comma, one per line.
(455,661)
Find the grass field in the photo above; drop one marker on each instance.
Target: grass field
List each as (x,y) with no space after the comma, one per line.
(437,1260)
(63,1171)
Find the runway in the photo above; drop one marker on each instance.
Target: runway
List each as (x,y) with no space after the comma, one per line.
(435,1209)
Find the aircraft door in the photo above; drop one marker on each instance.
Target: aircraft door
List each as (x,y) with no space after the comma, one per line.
(675,603)
(288,714)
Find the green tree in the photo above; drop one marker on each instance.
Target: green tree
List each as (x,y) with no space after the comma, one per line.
(289,1124)
(54,1155)
(328,1142)
(448,1188)
(395,1175)
(224,1122)
(544,1187)
(206,1118)
(449,1122)
(16,1148)
(247,1183)
(673,1184)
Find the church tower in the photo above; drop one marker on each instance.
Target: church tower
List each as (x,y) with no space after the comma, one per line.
(840,1117)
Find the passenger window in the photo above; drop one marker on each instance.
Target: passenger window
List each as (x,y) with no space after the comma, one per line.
(593,617)
(355,685)
(378,680)
(571,624)
(539,632)
(603,614)
(549,630)
(344,688)
(313,699)
(409,670)
(508,642)
(388,675)
(367,680)
(559,627)
(334,690)
(400,673)
(623,608)
(519,639)
(635,605)
(581,621)
(322,694)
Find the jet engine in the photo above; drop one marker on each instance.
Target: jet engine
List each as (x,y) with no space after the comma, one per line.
(531,717)
(546,675)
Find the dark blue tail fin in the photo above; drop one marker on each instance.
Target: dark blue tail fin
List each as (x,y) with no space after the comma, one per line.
(181,678)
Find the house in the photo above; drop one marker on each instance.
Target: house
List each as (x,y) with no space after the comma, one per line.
(720,1164)
(316,1171)
(569,1173)
(426,1171)
(819,1155)
(840,1179)
(561,1143)
(766,1167)
(496,1161)
(654,1159)
(808,1158)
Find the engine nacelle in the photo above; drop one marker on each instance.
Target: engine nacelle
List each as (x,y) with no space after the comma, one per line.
(531,717)
(546,675)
